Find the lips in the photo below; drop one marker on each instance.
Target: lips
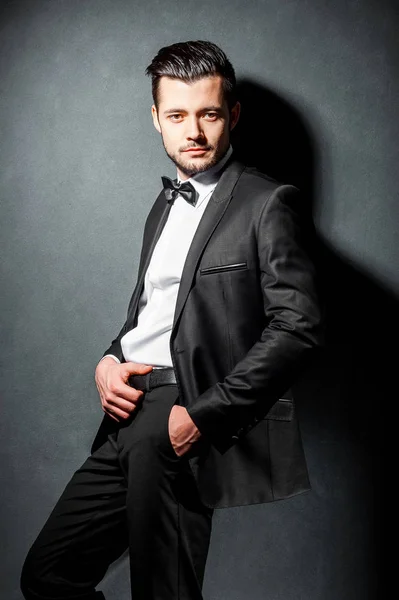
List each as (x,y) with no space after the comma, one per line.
(196,150)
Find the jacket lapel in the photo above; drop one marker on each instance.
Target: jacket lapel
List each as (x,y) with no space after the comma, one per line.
(217,206)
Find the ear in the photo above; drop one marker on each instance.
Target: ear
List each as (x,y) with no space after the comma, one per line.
(154,113)
(235,115)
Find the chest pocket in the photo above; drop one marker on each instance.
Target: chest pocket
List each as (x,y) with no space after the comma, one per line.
(238,266)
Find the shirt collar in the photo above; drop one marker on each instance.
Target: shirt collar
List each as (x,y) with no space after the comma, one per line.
(207,180)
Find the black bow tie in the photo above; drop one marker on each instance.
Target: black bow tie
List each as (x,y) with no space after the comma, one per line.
(173,188)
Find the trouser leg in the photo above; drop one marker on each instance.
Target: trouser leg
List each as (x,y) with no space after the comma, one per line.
(169,527)
(134,490)
(85,532)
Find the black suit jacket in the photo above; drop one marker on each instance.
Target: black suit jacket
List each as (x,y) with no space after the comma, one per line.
(246,322)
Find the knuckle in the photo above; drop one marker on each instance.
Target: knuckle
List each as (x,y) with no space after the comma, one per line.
(113,387)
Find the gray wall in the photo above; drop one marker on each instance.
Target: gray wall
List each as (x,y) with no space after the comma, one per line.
(80,165)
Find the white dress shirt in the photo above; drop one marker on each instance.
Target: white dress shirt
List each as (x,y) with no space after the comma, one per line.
(148,342)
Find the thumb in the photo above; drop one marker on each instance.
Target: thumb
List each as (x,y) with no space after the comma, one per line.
(137,368)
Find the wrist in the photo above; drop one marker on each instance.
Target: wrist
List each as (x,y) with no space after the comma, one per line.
(191,422)
(106,361)
(112,357)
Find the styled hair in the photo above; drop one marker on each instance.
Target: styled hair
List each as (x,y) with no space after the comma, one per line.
(190,61)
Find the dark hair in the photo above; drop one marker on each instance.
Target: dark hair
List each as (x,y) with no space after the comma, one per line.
(190,61)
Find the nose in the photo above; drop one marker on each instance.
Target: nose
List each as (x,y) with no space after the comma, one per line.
(194,130)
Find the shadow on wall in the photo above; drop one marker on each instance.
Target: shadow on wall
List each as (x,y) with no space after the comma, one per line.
(349,393)
(271,136)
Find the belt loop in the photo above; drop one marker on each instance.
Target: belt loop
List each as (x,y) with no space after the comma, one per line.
(147,381)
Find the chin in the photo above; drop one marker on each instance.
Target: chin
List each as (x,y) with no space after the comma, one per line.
(198,166)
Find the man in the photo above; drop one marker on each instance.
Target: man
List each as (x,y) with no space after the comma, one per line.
(223,318)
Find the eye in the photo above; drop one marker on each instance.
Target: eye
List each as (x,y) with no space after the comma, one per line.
(211,116)
(176,117)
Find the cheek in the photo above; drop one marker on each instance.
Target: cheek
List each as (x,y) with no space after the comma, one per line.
(169,137)
(220,134)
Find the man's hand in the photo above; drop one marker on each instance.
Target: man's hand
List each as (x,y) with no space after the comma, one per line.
(118,399)
(182,430)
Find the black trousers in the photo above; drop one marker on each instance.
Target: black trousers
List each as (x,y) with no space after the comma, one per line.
(134,492)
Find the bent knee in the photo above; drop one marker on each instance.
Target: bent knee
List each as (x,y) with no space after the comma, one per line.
(34,582)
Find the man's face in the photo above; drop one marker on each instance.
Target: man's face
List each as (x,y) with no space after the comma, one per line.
(195,122)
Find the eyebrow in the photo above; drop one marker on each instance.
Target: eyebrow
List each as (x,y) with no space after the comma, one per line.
(182,110)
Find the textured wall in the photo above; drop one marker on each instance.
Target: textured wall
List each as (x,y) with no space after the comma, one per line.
(77,164)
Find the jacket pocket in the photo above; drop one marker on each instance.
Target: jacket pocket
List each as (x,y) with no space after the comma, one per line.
(282,410)
(224,268)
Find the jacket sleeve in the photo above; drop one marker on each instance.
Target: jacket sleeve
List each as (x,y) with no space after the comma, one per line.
(152,229)
(115,348)
(229,409)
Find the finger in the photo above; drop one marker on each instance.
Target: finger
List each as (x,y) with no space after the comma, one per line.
(111,416)
(126,392)
(123,390)
(121,404)
(131,368)
(116,413)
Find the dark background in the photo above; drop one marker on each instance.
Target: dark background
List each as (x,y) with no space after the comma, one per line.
(80,166)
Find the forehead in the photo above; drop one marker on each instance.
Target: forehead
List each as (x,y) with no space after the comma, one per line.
(191,96)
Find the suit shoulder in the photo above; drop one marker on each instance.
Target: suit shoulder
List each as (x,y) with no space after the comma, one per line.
(258,184)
